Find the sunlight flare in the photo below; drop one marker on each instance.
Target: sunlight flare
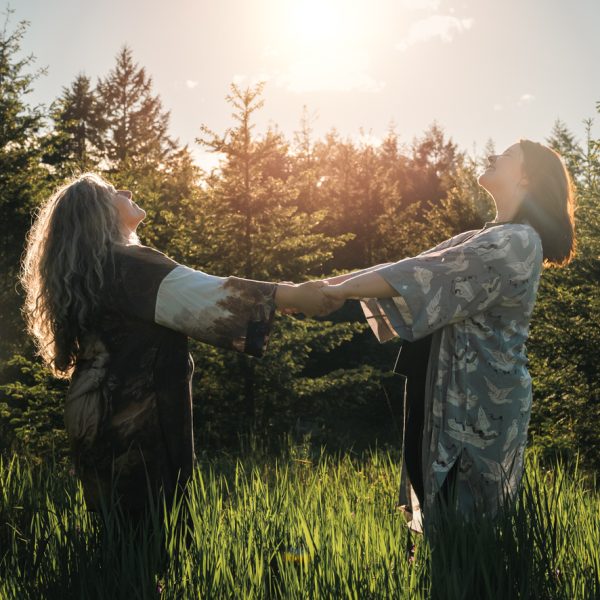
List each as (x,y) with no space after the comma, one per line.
(323,46)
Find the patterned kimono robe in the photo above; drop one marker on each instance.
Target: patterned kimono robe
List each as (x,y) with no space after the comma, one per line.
(475,293)
(128,410)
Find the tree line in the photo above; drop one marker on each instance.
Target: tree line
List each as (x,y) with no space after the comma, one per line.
(280,209)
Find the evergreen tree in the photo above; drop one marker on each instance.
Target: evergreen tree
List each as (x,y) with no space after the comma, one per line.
(23,180)
(255,230)
(433,162)
(259,231)
(306,168)
(29,410)
(564,142)
(339,160)
(135,126)
(564,345)
(78,126)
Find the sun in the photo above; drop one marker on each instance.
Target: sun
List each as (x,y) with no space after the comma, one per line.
(316,22)
(322,44)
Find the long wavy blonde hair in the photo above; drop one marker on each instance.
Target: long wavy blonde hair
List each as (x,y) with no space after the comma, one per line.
(63,269)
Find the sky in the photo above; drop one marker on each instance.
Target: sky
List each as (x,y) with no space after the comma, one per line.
(484,70)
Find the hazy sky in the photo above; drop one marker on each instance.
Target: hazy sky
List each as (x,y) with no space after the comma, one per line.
(499,69)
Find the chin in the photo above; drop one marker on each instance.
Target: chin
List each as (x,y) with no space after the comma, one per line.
(484,181)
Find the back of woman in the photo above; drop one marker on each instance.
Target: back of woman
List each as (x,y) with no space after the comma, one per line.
(114,316)
(143,436)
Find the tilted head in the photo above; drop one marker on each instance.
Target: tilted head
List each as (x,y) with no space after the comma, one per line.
(62,273)
(530,183)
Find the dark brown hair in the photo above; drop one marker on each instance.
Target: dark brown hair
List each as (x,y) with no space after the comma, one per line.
(550,202)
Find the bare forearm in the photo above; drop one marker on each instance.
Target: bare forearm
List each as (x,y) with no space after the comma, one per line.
(285,296)
(341,278)
(366,285)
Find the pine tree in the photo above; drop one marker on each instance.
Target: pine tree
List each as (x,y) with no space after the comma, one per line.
(261,232)
(305,165)
(173,198)
(433,162)
(135,125)
(30,405)
(255,230)
(78,126)
(23,180)
(339,193)
(564,142)
(564,345)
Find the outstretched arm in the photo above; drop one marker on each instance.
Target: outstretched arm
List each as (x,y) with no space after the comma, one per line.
(341,278)
(367,285)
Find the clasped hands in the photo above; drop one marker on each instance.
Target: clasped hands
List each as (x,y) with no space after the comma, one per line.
(312,298)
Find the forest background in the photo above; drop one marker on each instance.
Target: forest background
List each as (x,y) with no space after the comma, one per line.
(280,209)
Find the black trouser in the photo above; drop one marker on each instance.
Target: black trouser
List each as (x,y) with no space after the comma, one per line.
(412,363)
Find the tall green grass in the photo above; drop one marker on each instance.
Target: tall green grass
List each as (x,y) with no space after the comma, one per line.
(295,527)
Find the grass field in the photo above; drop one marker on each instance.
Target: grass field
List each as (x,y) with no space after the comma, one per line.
(299,526)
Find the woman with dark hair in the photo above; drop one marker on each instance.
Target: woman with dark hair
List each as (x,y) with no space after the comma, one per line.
(114,316)
(463,310)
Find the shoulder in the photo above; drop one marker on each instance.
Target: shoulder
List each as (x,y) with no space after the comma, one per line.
(509,242)
(143,254)
(141,268)
(461,237)
(138,273)
(515,233)
(450,242)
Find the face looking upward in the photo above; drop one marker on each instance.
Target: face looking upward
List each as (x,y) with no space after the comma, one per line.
(505,180)
(130,214)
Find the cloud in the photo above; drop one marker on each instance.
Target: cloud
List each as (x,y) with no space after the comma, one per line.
(444,27)
(191,84)
(525,99)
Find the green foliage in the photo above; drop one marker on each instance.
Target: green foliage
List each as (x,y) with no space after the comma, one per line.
(253,223)
(135,127)
(565,335)
(294,396)
(253,228)
(31,416)
(23,181)
(73,146)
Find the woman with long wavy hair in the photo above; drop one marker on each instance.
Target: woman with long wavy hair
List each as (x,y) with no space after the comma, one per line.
(463,310)
(115,316)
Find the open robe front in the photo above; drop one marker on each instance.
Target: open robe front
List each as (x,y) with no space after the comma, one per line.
(128,411)
(475,294)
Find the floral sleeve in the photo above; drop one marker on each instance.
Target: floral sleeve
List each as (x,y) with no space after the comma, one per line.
(444,286)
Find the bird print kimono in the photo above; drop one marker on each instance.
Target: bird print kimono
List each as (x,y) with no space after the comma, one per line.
(128,411)
(474,294)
